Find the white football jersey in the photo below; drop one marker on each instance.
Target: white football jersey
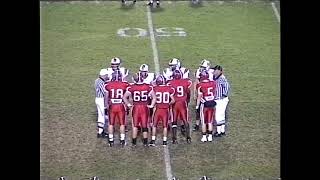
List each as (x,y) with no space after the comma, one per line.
(167,73)
(150,78)
(124,72)
(210,71)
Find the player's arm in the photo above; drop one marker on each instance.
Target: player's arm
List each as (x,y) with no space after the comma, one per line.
(199,98)
(195,89)
(172,97)
(126,97)
(106,100)
(154,99)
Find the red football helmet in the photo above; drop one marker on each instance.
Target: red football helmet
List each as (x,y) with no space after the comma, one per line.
(177,74)
(116,76)
(160,80)
(204,75)
(137,78)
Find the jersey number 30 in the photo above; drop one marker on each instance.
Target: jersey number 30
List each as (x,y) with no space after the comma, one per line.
(163,97)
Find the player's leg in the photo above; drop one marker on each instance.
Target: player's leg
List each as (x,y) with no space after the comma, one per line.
(135,122)
(154,127)
(144,124)
(101,119)
(174,122)
(203,123)
(122,117)
(150,3)
(165,119)
(219,118)
(196,126)
(111,124)
(224,110)
(185,120)
(210,118)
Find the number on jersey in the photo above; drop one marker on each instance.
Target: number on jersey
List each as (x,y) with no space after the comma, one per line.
(163,97)
(140,96)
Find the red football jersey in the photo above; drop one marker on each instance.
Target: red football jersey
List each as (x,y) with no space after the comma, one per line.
(207,88)
(116,90)
(140,93)
(181,87)
(163,93)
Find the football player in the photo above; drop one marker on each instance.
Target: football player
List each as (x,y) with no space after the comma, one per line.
(148,77)
(180,107)
(115,90)
(162,98)
(138,93)
(173,65)
(206,104)
(115,66)
(204,65)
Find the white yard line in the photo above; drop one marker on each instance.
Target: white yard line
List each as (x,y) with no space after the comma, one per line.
(153,42)
(275,11)
(157,70)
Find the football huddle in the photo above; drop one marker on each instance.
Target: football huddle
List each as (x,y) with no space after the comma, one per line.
(161,99)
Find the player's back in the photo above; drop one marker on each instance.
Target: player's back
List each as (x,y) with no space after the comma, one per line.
(207,88)
(181,87)
(163,93)
(116,90)
(140,93)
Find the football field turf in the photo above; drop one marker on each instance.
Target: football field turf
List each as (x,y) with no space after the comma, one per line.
(78,39)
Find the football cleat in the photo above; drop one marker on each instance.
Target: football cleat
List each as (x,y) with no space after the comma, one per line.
(123,143)
(164,143)
(158,3)
(204,139)
(216,134)
(152,143)
(188,140)
(102,135)
(223,133)
(195,127)
(111,143)
(210,138)
(150,4)
(62,178)
(94,178)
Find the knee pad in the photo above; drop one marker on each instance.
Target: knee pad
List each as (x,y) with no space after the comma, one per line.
(144,129)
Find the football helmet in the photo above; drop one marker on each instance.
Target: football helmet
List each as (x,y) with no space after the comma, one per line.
(177,74)
(174,63)
(116,76)
(204,75)
(137,78)
(205,64)
(115,63)
(160,80)
(144,69)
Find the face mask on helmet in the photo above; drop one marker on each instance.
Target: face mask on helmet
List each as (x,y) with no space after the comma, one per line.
(160,80)
(137,78)
(115,63)
(177,74)
(204,75)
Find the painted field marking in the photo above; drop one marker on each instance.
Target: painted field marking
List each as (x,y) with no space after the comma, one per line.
(157,70)
(275,11)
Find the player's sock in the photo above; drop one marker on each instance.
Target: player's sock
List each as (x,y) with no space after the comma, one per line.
(174,132)
(153,138)
(110,137)
(122,136)
(134,141)
(210,136)
(219,129)
(145,141)
(223,128)
(164,138)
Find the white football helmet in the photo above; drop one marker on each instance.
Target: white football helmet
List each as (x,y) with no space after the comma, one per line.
(173,63)
(144,68)
(115,63)
(205,64)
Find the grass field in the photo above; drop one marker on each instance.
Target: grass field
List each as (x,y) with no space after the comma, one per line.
(79,39)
